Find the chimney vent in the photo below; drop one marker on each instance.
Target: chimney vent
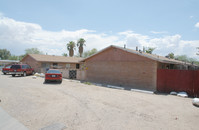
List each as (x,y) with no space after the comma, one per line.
(143,49)
(136,48)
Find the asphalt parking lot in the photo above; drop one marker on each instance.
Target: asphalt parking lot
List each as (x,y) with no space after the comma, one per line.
(88,107)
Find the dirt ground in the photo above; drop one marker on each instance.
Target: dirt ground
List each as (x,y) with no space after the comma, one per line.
(88,107)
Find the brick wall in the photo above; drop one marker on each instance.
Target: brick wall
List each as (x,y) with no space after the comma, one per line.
(61,67)
(118,67)
(81,74)
(32,62)
(38,65)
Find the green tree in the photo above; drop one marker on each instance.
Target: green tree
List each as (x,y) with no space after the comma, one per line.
(65,54)
(4,54)
(80,44)
(33,51)
(170,55)
(185,58)
(150,50)
(182,58)
(71,48)
(14,57)
(89,53)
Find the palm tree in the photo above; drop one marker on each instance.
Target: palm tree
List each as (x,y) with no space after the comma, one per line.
(80,44)
(71,47)
(150,50)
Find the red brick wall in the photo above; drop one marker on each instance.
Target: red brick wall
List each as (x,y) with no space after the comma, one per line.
(32,62)
(38,65)
(118,67)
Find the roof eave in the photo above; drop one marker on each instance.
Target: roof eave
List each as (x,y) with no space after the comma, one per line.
(59,62)
(140,54)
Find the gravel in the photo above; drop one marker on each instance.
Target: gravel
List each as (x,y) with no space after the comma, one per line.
(88,107)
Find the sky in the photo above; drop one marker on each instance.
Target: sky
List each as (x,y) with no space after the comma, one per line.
(167,25)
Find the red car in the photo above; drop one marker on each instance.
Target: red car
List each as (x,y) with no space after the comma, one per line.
(53,75)
(6,69)
(21,69)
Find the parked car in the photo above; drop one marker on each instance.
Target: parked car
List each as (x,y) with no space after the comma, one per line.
(6,69)
(53,75)
(21,69)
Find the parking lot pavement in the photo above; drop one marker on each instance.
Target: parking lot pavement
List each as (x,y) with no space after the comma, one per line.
(87,107)
(9,123)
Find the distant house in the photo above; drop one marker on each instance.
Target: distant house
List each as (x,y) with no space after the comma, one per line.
(125,67)
(7,62)
(43,62)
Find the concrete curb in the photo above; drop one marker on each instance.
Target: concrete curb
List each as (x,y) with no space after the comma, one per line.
(142,91)
(116,87)
(7,122)
(96,84)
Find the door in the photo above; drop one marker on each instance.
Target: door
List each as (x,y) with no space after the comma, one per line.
(72,74)
(55,65)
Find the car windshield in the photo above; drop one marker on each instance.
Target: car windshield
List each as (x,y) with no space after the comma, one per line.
(8,67)
(53,72)
(15,67)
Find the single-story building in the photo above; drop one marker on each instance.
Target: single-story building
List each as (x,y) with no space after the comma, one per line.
(41,63)
(7,62)
(126,67)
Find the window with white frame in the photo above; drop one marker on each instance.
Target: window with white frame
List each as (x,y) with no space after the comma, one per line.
(67,66)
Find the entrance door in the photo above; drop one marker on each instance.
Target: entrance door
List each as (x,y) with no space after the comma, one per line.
(55,65)
(72,74)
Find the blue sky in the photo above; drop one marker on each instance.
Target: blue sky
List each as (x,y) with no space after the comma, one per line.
(164,24)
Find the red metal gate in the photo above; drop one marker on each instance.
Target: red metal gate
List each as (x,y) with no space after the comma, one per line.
(178,80)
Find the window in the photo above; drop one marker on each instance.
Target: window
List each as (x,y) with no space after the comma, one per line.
(54,71)
(55,65)
(8,67)
(45,65)
(15,67)
(171,66)
(28,67)
(67,66)
(77,66)
(23,66)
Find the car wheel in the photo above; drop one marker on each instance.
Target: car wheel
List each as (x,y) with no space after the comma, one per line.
(4,73)
(60,81)
(46,81)
(24,74)
(13,75)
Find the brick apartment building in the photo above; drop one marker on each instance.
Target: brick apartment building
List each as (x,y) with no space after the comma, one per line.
(41,63)
(125,67)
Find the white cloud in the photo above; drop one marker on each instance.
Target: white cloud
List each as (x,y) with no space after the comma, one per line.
(162,32)
(197,25)
(191,16)
(163,45)
(17,36)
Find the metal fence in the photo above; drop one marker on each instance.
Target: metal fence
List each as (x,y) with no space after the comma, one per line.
(178,80)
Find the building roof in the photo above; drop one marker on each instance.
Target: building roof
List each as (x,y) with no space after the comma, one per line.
(9,61)
(147,55)
(52,58)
